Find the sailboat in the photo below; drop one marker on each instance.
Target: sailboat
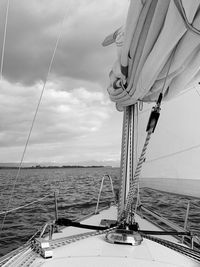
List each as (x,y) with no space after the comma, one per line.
(158,60)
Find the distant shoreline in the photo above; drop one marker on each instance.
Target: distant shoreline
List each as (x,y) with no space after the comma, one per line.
(53,167)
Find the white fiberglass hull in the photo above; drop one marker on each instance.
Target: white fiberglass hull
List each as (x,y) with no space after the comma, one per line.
(95,251)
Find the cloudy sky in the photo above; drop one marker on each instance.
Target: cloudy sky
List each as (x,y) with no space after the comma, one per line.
(76,121)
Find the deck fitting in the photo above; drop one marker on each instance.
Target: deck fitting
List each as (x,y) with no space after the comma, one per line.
(42,247)
(124,237)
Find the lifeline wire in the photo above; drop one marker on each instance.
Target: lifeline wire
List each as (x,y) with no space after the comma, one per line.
(26,205)
(34,118)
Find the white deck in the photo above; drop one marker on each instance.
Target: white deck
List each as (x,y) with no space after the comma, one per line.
(95,251)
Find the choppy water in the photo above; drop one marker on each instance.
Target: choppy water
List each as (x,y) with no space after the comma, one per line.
(78,190)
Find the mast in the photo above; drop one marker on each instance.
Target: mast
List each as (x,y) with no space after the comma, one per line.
(128,153)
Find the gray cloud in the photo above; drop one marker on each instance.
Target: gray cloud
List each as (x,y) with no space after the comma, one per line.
(76,121)
(62,115)
(32,32)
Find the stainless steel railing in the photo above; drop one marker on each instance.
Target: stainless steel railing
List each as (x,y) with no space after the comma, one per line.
(100,190)
(194,239)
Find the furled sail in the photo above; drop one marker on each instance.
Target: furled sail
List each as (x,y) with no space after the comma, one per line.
(161,38)
(159,52)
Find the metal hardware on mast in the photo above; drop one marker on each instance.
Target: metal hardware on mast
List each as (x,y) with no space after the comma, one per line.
(127,156)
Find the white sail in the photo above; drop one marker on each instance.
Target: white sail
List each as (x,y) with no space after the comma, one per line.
(173,156)
(159,52)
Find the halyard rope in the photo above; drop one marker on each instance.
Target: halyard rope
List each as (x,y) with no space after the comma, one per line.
(134,182)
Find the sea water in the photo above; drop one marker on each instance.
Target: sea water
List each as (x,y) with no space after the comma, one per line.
(77,190)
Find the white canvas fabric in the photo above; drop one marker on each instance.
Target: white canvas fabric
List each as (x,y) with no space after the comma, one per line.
(158,40)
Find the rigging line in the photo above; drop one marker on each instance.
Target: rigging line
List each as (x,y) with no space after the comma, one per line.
(173,154)
(185,91)
(137,199)
(168,69)
(136,155)
(137,131)
(182,12)
(165,103)
(195,205)
(4,40)
(35,115)
(197,91)
(26,205)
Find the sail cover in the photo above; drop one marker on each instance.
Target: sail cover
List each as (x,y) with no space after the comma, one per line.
(158,51)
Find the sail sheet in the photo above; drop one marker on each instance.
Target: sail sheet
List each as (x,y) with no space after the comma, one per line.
(158,50)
